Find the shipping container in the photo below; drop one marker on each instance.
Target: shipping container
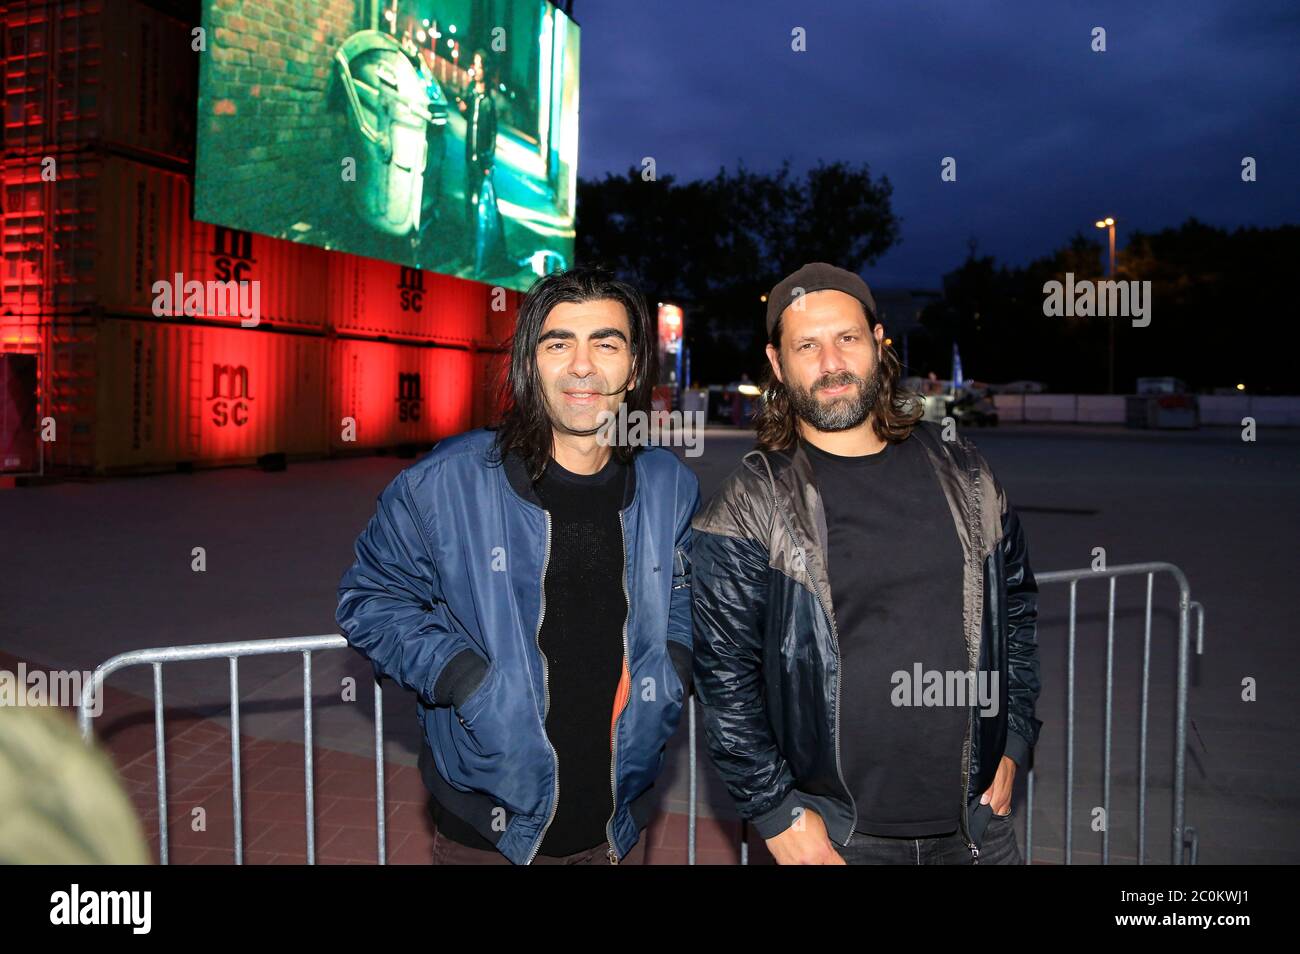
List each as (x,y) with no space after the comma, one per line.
(489,375)
(23,333)
(71,406)
(501,315)
(110,72)
(19,448)
(127,394)
(385,394)
(170,393)
(375,298)
(85,230)
(52,206)
(64,344)
(288,282)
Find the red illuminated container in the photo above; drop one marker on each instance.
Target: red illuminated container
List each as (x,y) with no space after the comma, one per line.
(70,400)
(18,418)
(65,377)
(139,395)
(23,333)
(107,230)
(97,71)
(81,254)
(501,315)
(489,375)
(292,279)
(371,298)
(386,394)
(42,223)
(169,393)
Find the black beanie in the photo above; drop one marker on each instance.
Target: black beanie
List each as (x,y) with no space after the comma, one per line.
(818,276)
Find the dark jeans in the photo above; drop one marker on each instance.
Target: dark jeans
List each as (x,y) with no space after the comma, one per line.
(999,848)
(448,852)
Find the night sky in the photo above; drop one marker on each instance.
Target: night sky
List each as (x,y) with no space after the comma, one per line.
(1048,135)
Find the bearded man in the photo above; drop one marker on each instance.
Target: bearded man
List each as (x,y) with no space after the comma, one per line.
(865,614)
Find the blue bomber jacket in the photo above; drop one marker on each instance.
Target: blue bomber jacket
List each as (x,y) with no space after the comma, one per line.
(446,597)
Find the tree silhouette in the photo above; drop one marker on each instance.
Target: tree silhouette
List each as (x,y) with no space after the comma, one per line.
(714,246)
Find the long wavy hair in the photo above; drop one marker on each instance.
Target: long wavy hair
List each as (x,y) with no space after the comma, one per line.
(895,413)
(524,427)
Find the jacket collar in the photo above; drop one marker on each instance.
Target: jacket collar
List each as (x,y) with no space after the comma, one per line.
(800,506)
(517,474)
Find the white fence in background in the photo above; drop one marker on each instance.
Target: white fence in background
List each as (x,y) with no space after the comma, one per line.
(1216,410)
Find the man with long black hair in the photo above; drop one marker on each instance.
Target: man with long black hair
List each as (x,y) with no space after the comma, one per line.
(531,585)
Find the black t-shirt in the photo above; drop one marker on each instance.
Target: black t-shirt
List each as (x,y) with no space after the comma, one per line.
(582,640)
(895,566)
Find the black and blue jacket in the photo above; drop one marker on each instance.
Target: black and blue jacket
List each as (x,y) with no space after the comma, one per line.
(767,662)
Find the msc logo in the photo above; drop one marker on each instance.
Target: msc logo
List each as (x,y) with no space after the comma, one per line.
(408,397)
(410,287)
(230,395)
(233,251)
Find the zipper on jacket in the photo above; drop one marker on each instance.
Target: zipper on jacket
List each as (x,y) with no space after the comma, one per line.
(965,795)
(546,691)
(613,757)
(973,527)
(839,668)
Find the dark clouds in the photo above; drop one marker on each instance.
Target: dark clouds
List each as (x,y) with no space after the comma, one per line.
(1047,134)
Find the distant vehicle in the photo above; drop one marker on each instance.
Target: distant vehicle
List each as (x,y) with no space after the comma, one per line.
(973,407)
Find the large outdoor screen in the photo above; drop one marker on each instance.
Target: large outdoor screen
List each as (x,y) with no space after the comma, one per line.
(440,134)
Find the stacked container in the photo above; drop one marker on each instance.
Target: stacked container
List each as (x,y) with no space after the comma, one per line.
(149,356)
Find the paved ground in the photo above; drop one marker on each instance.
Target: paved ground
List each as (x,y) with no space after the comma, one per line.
(94,568)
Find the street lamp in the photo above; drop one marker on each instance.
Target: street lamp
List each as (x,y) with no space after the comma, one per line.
(1108,223)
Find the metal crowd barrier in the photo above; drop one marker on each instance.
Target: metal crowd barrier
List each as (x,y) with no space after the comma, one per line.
(233,651)
(1184,838)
